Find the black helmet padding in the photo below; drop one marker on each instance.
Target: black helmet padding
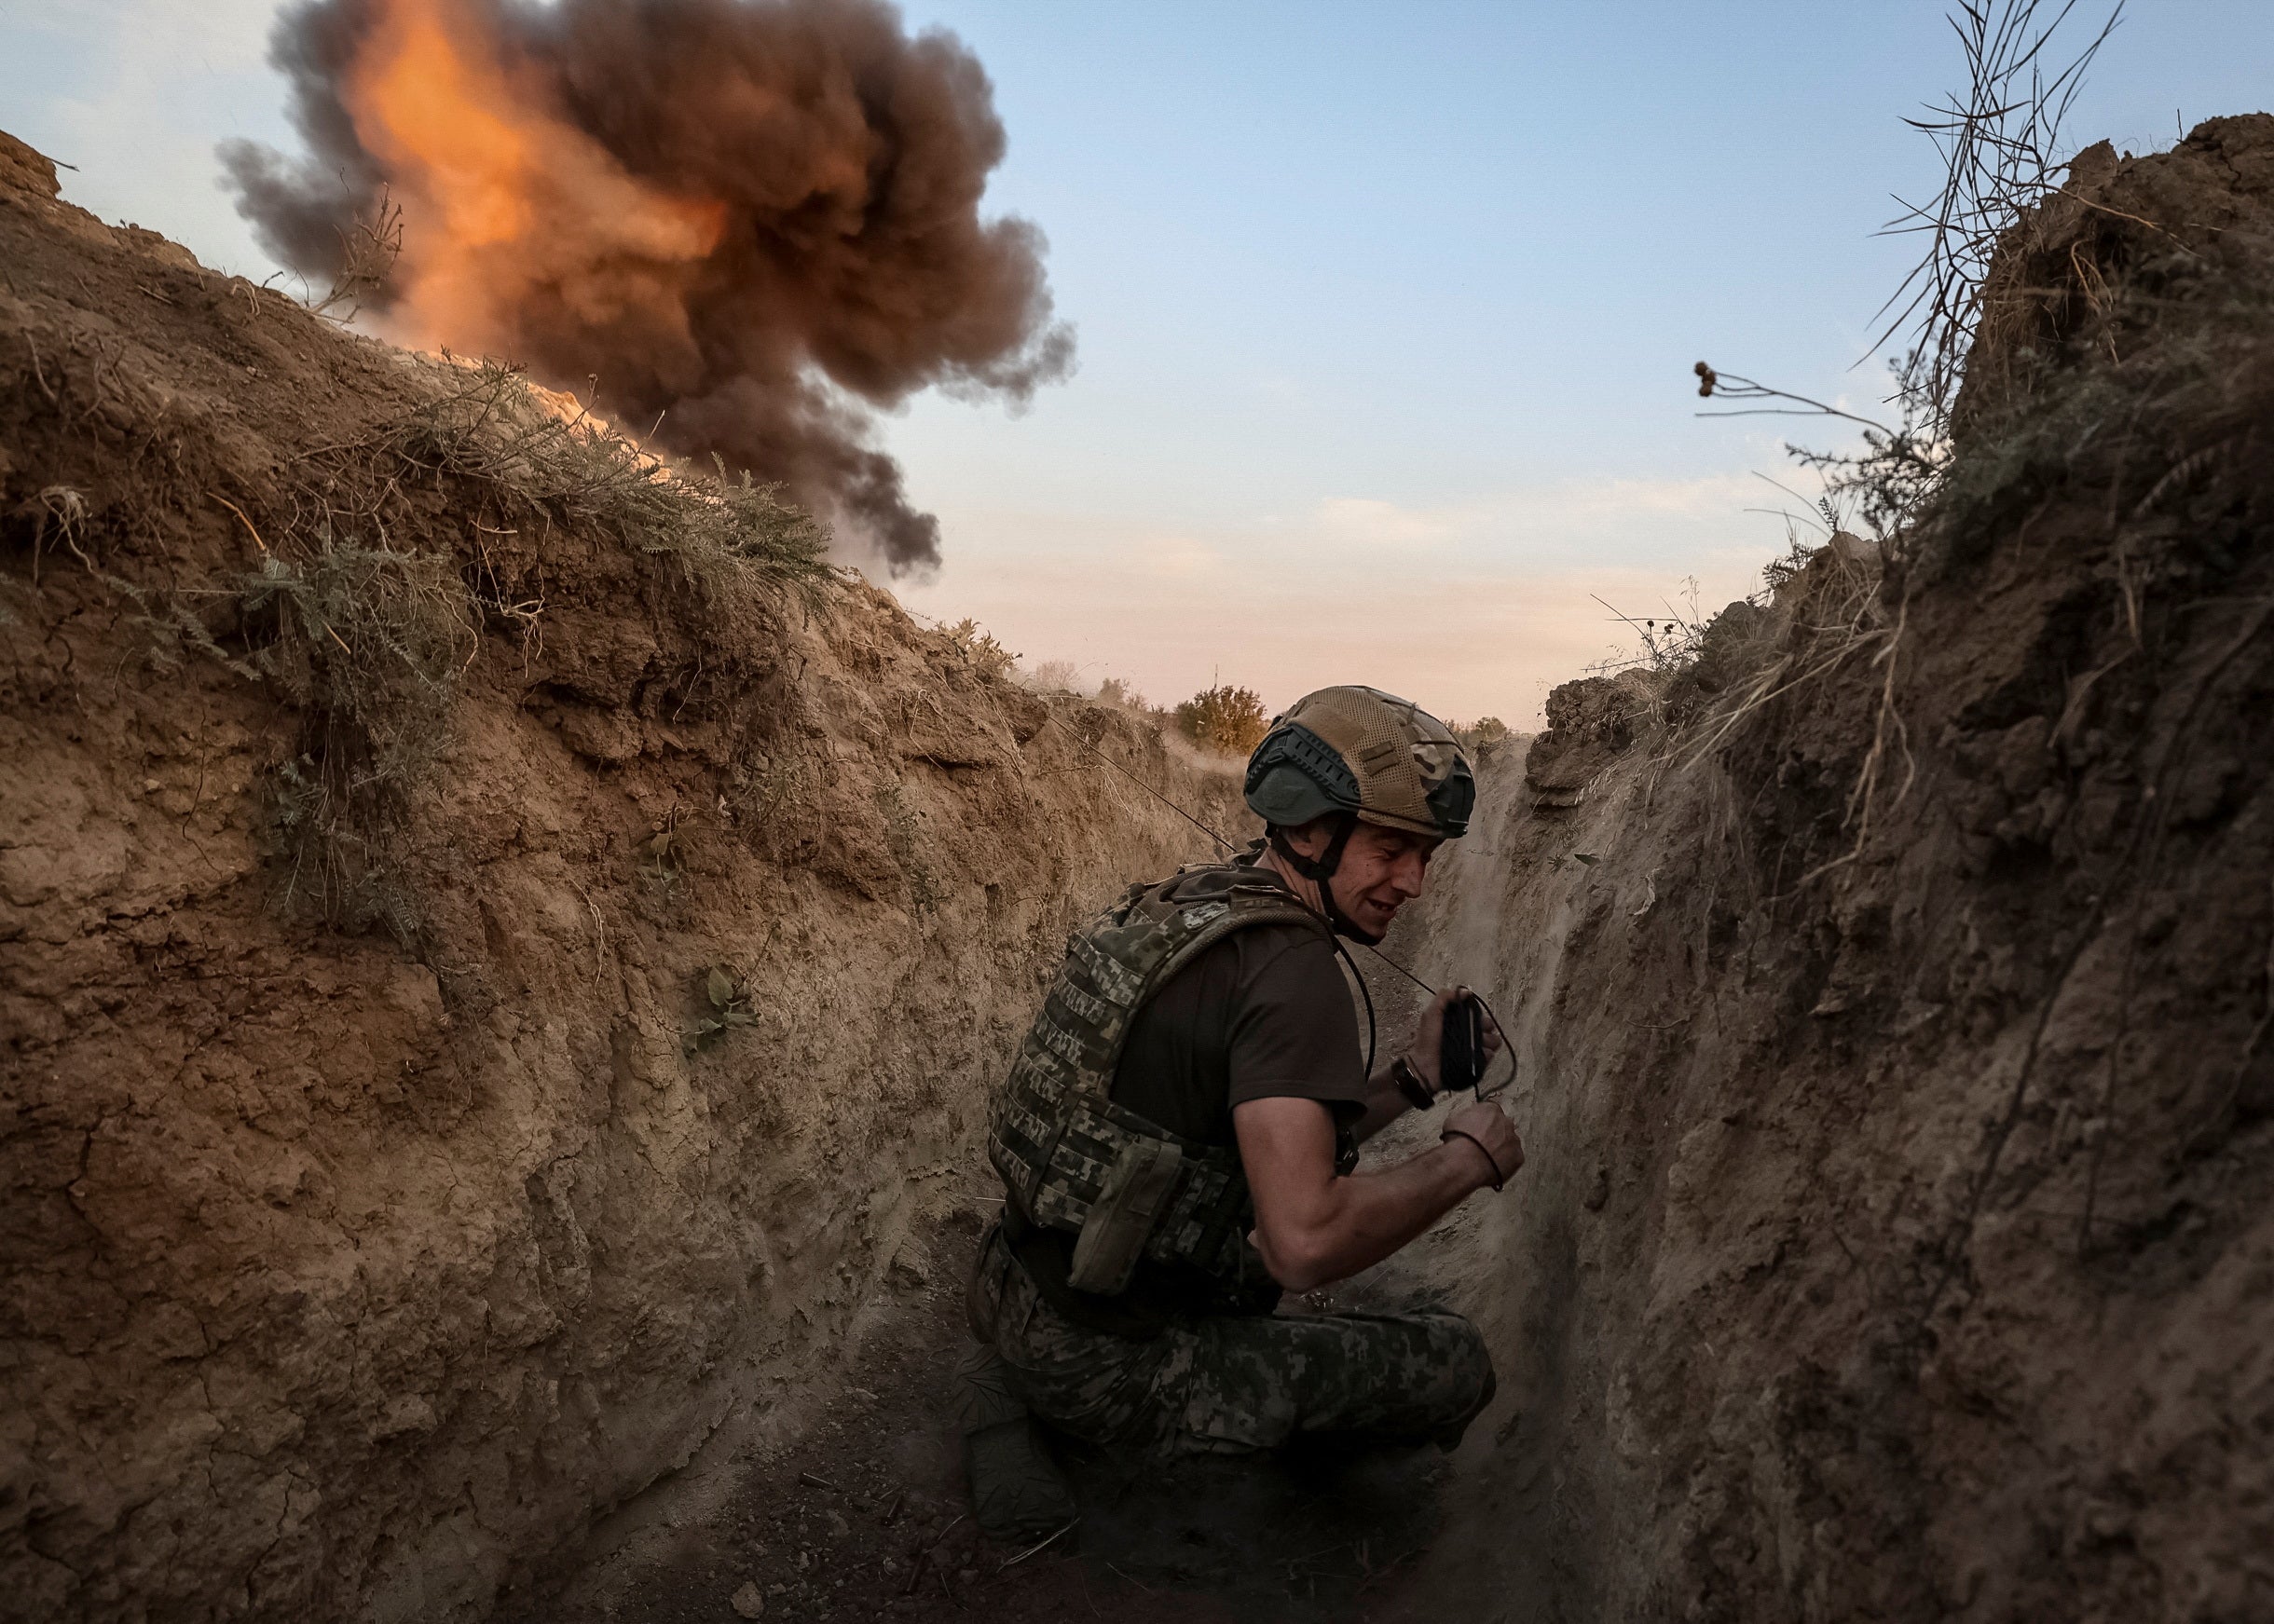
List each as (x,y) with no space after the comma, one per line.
(1296,776)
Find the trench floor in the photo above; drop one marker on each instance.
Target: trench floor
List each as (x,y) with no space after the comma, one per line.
(864,1516)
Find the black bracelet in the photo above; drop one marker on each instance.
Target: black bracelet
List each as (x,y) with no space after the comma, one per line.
(1498,1177)
(1409,1082)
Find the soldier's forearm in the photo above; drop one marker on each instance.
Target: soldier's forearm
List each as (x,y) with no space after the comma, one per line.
(1312,1227)
(1388,1210)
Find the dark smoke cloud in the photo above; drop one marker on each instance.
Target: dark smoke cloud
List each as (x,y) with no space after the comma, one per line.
(853,269)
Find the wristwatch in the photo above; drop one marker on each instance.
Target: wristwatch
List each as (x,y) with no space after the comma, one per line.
(1411,1084)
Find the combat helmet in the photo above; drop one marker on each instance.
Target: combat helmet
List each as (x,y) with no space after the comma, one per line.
(1368,754)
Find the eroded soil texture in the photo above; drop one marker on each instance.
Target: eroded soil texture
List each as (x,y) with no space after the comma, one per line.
(501,964)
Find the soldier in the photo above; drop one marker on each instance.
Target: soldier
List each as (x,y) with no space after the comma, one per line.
(1178,1142)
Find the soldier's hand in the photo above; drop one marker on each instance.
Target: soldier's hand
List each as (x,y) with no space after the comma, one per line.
(1428,1051)
(1482,1130)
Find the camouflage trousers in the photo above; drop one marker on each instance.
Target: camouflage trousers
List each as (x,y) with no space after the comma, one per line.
(1232,1384)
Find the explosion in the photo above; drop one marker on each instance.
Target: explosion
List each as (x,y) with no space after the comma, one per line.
(743,221)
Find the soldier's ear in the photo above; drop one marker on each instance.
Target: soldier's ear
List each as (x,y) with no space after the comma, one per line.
(1311,838)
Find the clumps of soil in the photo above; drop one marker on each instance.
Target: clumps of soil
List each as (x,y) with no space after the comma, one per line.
(1896,1067)
(397,762)
(2099,267)
(1591,722)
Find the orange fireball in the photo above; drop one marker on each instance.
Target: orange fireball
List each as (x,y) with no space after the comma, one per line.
(507,204)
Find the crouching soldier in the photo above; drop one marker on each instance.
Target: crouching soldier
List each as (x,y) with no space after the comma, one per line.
(1178,1142)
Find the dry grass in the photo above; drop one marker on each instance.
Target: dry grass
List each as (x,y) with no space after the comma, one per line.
(2159,442)
(371,631)
(1999,136)
(370,644)
(512,455)
(383,559)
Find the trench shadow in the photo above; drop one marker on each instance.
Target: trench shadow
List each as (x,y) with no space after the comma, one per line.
(863,1514)
(1312,1534)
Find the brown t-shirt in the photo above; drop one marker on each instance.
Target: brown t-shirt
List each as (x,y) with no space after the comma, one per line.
(1263,1014)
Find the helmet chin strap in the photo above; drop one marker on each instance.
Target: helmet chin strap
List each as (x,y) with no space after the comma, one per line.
(1319,870)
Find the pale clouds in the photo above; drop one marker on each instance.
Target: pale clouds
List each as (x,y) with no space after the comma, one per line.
(165,80)
(1181,558)
(1561,516)
(1371,522)
(1469,609)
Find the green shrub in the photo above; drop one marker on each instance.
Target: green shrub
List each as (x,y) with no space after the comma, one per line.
(1480,735)
(1223,717)
(987,656)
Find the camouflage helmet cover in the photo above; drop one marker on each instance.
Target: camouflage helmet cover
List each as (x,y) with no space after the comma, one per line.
(1361,750)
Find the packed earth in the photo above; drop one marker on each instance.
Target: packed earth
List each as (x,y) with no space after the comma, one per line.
(505,952)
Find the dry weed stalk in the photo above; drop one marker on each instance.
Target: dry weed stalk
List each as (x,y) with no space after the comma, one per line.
(1667,642)
(1885,484)
(368,249)
(2000,142)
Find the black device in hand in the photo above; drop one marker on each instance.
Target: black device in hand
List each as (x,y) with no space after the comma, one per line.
(1461,1057)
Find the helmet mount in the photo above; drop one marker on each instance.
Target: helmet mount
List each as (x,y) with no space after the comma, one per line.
(1321,869)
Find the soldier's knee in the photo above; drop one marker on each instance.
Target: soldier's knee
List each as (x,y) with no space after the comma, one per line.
(1456,1344)
(1469,1384)
(1464,1380)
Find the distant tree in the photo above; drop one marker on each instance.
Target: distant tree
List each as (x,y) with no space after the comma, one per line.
(1223,717)
(1482,733)
(1056,676)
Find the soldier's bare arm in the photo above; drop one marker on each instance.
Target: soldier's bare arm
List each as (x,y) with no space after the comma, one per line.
(1313,1227)
(1385,1103)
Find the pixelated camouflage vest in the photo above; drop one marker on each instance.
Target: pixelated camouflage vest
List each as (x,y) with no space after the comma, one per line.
(1074,1160)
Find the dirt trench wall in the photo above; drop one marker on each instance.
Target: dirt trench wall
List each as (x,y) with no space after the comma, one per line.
(1898,1235)
(351,1271)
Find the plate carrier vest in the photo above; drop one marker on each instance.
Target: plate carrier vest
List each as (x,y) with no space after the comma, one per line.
(1074,1160)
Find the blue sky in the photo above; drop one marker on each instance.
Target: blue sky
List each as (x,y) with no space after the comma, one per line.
(1386,313)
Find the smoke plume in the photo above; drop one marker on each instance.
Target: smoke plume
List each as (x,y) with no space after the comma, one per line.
(753,218)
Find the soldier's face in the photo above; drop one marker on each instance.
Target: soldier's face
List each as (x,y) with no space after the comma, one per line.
(1381,872)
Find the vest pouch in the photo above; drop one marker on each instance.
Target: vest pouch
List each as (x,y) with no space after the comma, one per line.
(1130,1203)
